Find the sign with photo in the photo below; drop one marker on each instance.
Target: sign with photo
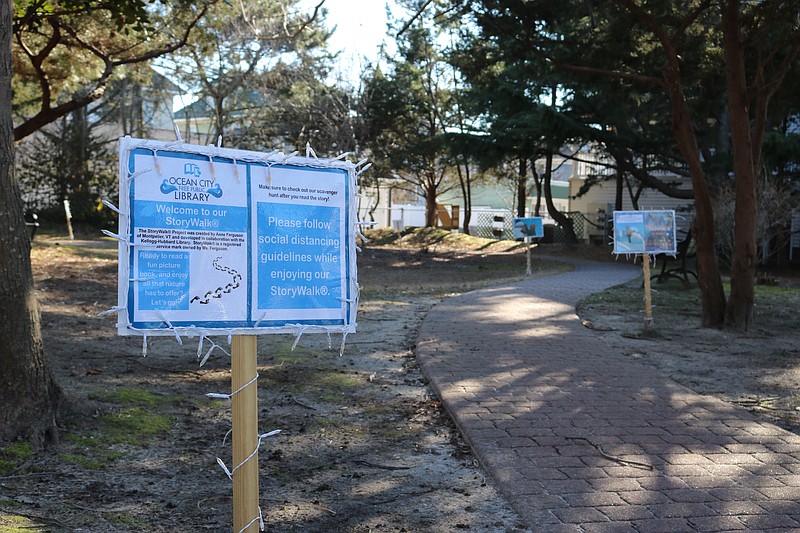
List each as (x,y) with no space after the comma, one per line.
(652,232)
(530,227)
(232,241)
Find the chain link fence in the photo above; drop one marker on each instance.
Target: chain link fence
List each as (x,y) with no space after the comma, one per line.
(494,226)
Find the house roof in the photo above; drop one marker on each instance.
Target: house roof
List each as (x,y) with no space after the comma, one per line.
(203,108)
(197,109)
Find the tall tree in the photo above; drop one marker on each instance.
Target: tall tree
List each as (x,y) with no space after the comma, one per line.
(768,35)
(672,52)
(68,160)
(305,109)
(515,114)
(240,62)
(407,111)
(66,53)
(64,58)
(29,396)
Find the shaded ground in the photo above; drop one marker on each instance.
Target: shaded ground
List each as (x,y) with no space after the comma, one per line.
(758,369)
(364,447)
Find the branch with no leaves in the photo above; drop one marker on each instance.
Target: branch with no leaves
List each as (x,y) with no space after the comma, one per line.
(48,114)
(620,460)
(303,26)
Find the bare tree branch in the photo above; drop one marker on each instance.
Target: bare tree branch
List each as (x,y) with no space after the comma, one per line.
(414,18)
(48,114)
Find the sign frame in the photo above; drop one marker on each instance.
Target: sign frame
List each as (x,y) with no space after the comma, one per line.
(645,232)
(191,216)
(528,227)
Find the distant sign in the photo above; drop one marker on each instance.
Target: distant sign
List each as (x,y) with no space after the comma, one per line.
(528,227)
(638,232)
(231,241)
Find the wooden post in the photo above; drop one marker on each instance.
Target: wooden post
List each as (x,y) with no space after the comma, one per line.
(245,432)
(648,300)
(68,213)
(528,256)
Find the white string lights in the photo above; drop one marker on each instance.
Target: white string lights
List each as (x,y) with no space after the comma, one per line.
(159,158)
(128,242)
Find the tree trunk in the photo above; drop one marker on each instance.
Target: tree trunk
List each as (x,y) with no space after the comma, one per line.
(219,120)
(560,218)
(537,180)
(465,181)
(712,294)
(739,312)
(522,187)
(430,207)
(29,396)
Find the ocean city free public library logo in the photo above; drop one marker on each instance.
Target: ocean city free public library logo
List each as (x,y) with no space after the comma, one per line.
(191,186)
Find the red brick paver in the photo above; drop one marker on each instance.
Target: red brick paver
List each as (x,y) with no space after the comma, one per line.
(546,404)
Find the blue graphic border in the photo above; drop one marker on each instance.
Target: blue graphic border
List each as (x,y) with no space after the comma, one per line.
(251,322)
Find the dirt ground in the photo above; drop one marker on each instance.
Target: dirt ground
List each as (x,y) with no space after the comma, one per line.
(364,446)
(758,369)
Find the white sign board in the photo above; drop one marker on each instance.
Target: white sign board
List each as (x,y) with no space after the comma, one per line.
(526,228)
(224,241)
(652,232)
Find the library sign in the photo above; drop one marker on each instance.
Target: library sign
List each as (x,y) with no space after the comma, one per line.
(232,241)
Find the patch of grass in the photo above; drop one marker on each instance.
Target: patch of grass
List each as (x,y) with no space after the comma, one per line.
(82,441)
(332,386)
(436,238)
(215,404)
(672,298)
(126,520)
(13,455)
(289,358)
(10,523)
(91,459)
(281,352)
(135,425)
(88,463)
(312,378)
(371,294)
(133,396)
(622,297)
(90,247)
(132,426)
(338,381)
(90,453)
(786,295)
(99,252)
(381,236)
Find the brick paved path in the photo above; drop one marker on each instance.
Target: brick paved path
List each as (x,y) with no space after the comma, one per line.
(547,408)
